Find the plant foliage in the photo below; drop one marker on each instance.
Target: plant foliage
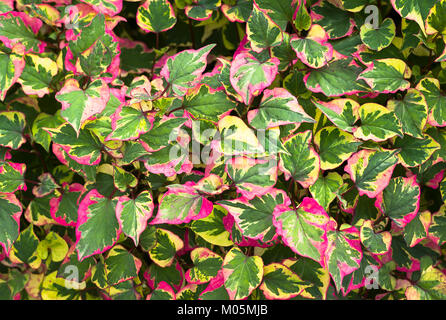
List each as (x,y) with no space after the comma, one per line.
(222,149)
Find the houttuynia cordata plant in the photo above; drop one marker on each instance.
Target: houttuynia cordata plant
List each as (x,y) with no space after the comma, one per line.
(222,149)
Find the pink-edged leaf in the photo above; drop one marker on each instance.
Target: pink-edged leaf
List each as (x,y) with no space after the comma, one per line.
(12,67)
(64,209)
(242,274)
(278,107)
(400,200)
(215,289)
(249,76)
(184,70)
(343,254)
(84,149)
(237,237)
(132,214)
(182,204)
(313,50)
(97,228)
(166,247)
(304,229)
(18,27)
(10,212)
(207,264)
(252,177)
(162,292)
(254,216)
(78,105)
(156,16)
(93,52)
(12,177)
(211,185)
(108,7)
(371,170)
(262,31)
(121,265)
(302,163)
(172,275)
(46,186)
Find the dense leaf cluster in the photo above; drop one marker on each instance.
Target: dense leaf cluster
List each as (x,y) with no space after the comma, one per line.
(222,149)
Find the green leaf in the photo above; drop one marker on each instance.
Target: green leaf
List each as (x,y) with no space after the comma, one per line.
(278,107)
(18,27)
(11,210)
(280,11)
(387,75)
(313,50)
(416,10)
(202,9)
(376,243)
(378,39)
(37,75)
(400,200)
(302,162)
(204,104)
(252,177)
(12,177)
(182,204)
(242,274)
(311,272)
(156,16)
(325,188)
(335,146)
(435,21)
(284,52)
(342,112)
(303,229)
(133,214)
(25,247)
(414,151)
(84,148)
(343,254)
(261,30)
(120,265)
(207,264)
(337,22)
(46,186)
(129,123)
(12,125)
(78,105)
(254,217)
(162,292)
(417,229)
(438,226)
(435,100)
(337,78)
(302,19)
(164,251)
(281,283)
(44,120)
(249,76)
(183,70)
(212,229)
(237,138)
(97,228)
(12,66)
(239,10)
(430,286)
(377,123)
(371,170)
(411,112)
(162,133)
